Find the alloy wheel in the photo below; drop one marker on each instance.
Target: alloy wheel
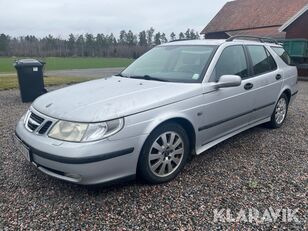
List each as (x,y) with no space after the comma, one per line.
(281,110)
(166,154)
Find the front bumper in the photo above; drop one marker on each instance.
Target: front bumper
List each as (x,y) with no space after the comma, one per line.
(82,163)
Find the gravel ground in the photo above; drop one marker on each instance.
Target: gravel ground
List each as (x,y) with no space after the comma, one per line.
(259,169)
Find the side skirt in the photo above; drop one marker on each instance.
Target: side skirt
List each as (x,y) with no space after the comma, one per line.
(210,144)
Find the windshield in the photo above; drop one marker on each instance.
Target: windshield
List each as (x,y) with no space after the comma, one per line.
(172,63)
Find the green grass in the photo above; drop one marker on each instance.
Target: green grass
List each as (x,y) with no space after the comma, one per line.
(56,63)
(11,82)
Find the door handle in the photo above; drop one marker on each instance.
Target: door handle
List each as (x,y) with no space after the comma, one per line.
(278,77)
(248,86)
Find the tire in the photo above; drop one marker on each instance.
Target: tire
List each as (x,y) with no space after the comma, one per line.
(280,112)
(160,161)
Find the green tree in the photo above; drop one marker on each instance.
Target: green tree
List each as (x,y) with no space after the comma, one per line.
(181,36)
(197,35)
(172,36)
(194,35)
(111,40)
(187,34)
(4,44)
(123,37)
(131,38)
(143,38)
(157,39)
(150,34)
(100,44)
(163,38)
(49,45)
(71,44)
(31,38)
(80,42)
(90,44)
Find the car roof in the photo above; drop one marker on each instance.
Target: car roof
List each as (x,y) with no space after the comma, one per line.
(216,42)
(197,42)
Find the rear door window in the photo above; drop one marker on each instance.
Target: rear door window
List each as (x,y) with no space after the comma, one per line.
(282,54)
(262,61)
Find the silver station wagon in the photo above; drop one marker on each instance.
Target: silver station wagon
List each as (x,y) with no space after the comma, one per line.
(178,99)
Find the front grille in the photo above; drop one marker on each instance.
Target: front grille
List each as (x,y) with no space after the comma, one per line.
(32,126)
(36,118)
(35,122)
(45,127)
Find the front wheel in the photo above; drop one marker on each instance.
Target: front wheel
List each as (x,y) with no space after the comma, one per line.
(280,112)
(164,153)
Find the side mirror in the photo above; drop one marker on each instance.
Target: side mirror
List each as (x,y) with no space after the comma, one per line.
(228,81)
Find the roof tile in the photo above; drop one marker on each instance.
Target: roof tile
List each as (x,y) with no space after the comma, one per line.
(249,14)
(271,32)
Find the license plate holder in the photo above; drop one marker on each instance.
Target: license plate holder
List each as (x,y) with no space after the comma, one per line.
(22,148)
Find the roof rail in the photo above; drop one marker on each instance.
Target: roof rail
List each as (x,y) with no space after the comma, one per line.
(178,40)
(246,37)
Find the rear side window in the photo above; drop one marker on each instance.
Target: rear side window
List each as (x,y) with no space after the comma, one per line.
(231,62)
(282,54)
(262,61)
(271,60)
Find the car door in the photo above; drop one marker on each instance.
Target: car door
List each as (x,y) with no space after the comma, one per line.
(266,81)
(227,109)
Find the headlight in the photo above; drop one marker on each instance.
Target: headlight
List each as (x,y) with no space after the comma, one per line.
(98,131)
(83,132)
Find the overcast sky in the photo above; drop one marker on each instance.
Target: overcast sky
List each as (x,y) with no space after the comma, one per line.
(62,17)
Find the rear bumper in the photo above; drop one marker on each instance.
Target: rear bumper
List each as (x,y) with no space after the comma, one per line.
(89,163)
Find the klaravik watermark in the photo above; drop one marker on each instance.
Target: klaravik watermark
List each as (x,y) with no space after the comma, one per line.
(253,215)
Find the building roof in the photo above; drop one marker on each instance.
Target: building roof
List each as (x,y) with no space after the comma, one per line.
(271,32)
(294,18)
(252,14)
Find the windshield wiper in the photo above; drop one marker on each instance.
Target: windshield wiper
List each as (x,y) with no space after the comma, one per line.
(120,74)
(148,77)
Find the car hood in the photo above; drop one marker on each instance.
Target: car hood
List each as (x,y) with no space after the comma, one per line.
(110,98)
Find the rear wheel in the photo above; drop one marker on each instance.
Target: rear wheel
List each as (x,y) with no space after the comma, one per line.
(280,112)
(164,153)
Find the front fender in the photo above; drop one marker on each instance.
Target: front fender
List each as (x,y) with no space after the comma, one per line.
(164,118)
